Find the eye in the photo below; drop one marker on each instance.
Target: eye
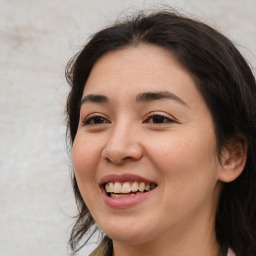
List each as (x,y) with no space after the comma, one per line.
(95,120)
(158,119)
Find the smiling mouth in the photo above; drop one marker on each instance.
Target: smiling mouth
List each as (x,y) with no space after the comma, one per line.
(127,189)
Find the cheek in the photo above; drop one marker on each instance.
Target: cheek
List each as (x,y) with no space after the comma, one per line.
(85,156)
(185,160)
(189,173)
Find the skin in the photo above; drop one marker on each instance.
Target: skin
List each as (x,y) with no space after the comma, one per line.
(177,152)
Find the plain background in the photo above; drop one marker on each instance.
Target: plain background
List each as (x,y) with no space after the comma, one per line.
(36,40)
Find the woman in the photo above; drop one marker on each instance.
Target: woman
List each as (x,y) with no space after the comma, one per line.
(162,124)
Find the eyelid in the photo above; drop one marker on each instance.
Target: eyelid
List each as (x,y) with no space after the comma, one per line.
(164,115)
(94,115)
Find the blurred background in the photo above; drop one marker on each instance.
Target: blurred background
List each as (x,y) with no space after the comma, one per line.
(37,38)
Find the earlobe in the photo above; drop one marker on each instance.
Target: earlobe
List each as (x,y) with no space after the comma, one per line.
(233,158)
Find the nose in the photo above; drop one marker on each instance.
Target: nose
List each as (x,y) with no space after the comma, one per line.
(122,145)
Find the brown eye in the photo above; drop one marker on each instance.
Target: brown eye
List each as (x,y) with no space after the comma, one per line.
(158,119)
(95,120)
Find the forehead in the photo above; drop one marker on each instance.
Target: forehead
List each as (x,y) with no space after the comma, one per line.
(138,69)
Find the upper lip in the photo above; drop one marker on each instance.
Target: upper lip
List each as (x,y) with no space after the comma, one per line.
(123,178)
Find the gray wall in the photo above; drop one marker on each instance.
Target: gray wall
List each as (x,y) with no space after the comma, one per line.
(37,38)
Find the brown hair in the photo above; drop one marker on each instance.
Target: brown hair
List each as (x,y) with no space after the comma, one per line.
(228,87)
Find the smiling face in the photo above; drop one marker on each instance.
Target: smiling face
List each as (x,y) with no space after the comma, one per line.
(147,137)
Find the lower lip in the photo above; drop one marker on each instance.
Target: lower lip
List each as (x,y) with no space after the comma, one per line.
(126,202)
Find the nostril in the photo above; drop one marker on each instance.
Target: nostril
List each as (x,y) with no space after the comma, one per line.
(122,148)
(118,157)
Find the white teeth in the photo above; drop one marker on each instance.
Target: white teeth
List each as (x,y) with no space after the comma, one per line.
(147,187)
(121,195)
(128,187)
(141,186)
(117,187)
(111,187)
(135,186)
(107,187)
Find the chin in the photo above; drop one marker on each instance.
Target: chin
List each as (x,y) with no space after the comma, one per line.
(127,234)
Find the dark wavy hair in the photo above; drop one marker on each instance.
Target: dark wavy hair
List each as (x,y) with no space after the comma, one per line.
(228,87)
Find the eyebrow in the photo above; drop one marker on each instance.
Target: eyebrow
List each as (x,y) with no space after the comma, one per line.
(140,98)
(162,95)
(96,98)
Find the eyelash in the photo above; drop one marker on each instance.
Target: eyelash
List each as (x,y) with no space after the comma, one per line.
(88,120)
(103,120)
(164,119)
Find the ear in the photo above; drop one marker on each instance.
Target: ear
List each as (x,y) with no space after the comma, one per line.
(233,158)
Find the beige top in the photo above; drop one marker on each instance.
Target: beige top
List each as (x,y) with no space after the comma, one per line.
(230,253)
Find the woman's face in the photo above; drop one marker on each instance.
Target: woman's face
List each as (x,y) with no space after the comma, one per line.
(146,136)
